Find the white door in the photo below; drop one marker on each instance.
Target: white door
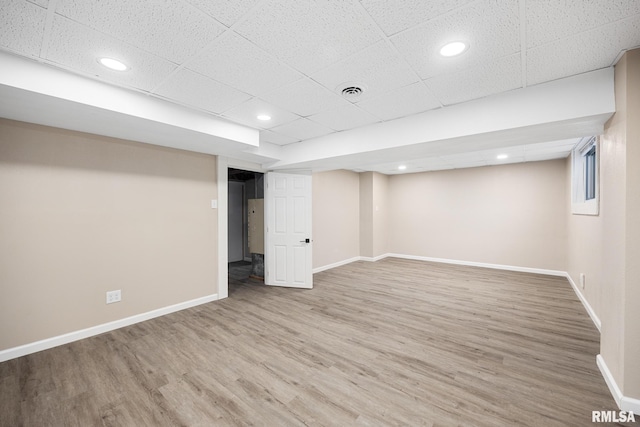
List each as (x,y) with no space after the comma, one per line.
(288,230)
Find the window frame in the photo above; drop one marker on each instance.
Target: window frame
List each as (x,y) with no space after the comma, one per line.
(585,177)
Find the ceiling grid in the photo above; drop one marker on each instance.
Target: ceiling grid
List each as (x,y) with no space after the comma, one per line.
(290,58)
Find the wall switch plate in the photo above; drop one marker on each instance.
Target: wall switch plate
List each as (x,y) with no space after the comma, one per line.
(582,280)
(214,204)
(114,296)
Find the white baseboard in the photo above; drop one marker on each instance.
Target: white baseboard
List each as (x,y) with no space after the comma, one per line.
(592,314)
(375,258)
(483,265)
(349,261)
(23,350)
(445,261)
(624,403)
(336,264)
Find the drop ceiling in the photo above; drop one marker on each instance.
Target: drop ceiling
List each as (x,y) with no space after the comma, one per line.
(233,60)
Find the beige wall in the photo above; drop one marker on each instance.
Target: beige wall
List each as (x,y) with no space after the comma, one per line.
(381,211)
(511,214)
(596,243)
(336,217)
(366,214)
(585,247)
(374,214)
(81,215)
(613,186)
(632,221)
(607,247)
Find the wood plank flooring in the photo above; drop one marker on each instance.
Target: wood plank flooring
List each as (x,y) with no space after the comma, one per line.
(396,342)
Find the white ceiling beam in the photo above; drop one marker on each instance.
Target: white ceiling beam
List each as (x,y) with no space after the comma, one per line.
(36,93)
(566,108)
(561,109)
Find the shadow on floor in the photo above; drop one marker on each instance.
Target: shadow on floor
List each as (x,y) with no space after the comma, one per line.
(240,275)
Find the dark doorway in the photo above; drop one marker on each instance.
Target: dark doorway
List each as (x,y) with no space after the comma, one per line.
(245,228)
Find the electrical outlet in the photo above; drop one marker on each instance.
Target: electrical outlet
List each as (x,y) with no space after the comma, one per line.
(583,279)
(114,296)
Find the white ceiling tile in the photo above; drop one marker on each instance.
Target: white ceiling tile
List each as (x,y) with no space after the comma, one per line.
(512,153)
(437,167)
(432,163)
(196,90)
(510,160)
(22,26)
(555,150)
(235,61)
(542,155)
(550,147)
(225,11)
(305,97)
(587,51)
(248,111)
(491,28)
(302,129)
(286,57)
(378,67)
(343,118)
(553,144)
(309,35)
(172,30)
(537,157)
(276,138)
(551,20)
(412,165)
(493,77)
(77,47)
(468,164)
(395,16)
(516,154)
(43,3)
(475,156)
(411,99)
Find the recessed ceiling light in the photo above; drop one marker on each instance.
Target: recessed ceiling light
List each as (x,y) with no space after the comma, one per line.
(402,167)
(113,64)
(263,117)
(453,48)
(502,156)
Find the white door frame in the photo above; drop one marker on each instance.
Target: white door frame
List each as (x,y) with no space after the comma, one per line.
(222,165)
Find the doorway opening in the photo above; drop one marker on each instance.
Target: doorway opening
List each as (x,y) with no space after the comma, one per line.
(245,228)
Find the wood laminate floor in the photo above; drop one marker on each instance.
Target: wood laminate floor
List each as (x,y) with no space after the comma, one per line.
(396,342)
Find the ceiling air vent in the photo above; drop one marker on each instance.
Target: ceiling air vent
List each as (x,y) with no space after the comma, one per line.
(351,90)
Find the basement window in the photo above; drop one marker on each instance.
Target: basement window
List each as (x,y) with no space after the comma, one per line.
(584,177)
